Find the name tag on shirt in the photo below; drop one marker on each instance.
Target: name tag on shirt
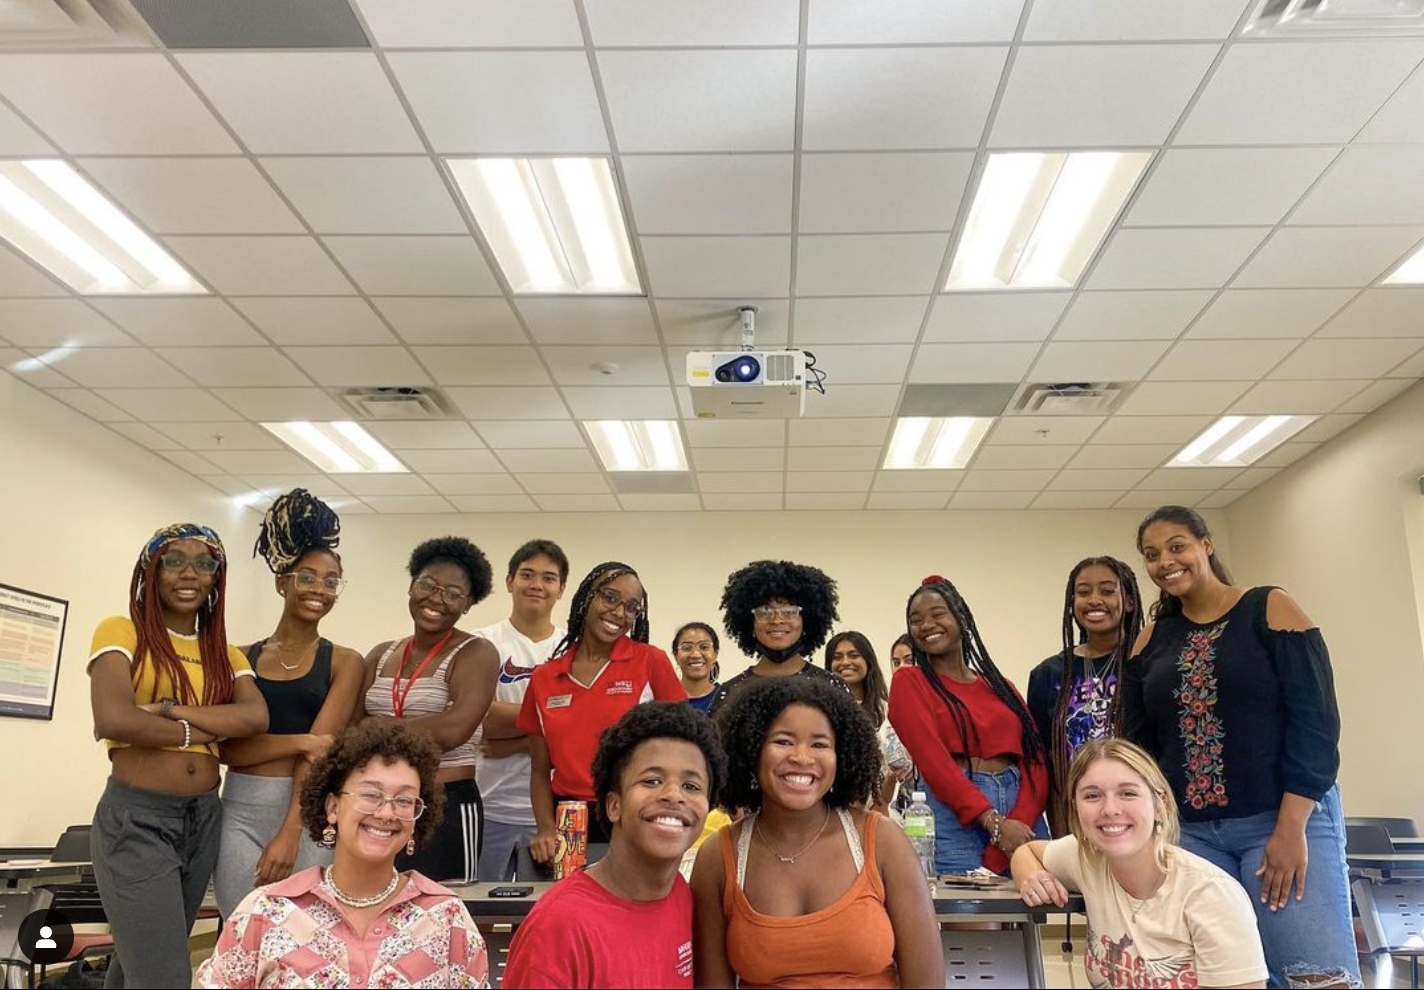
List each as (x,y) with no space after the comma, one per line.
(559,701)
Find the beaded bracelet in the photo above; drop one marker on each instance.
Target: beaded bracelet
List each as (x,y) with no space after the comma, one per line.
(187,733)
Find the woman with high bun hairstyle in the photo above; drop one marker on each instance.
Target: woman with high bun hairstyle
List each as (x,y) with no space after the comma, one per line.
(165,687)
(310,686)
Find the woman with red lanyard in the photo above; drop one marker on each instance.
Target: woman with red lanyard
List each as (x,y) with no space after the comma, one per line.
(440,681)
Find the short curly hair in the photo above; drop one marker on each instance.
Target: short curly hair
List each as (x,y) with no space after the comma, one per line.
(358,746)
(800,584)
(656,720)
(744,727)
(461,552)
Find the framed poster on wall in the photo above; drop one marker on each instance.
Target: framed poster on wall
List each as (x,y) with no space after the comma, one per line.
(31,638)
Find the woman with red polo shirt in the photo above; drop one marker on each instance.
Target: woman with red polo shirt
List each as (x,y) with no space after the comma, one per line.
(602,668)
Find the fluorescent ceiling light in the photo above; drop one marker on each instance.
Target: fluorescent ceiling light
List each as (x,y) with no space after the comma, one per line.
(933,442)
(337,448)
(52,213)
(1409,272)
(555,224)
(1037,217)
(637,445)
(1236,441)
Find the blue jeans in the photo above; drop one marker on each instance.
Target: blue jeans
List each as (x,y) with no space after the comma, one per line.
(1314,935)
(960,848)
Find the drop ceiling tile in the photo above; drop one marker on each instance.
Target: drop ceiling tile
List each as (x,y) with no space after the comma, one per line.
(882,193)
(1402,116)
(1014,456)
(564,484)
(1252,477)
(248,462)
(1411,368)
(452,463)
(872,431)
(825,500)
(234,487)
(1077,500)
(972,362)
(888,319)
(635,365)
(1373,396)
(305,103)
(739,459)
(710,194)
(192,463)
(199,435)
(473,484)
(942,482)
(694,267)
(1189,479)
(1174,258)
(660,503)
(683,100)
(466,24)
(1297,397)
(833,459)
(1006,481)
(1109,479)
(509,402)
(621,402)
(194,195)
(1151,499)
(578,503)
(112,104)
(117,367)
(853,401)
(738,481)
(30,370)
(858,364)
(1368,185)
(99,408)
(1327,427)
(996,316)
(876,98)
(1297,92)
(548,460)
(991,500)
(179,321)
(487,365)
(1320,257)
(426,504)
(1181,398)
(1130,315)
(547,103)
(434,435)
(589,321)
(1287,453)
(1207,187)
(1100,456)
(1219,500)
(451,321)
(59,323)
(635,23)
(314,320)
(415,265)
(716,324)
(352,195)
(853,22)
(526,434)
(1396,311)
(730,433)
(20,278)
(1122,20)
(383,484)
(493,503)
(1346,358)
(279,404)
(740,502)
(1121,95)
(18,139)
(359,365)
(1290,313)
(906,500)
(262,266)
(1224,360)
(1074,361)
(235,366)
(1044,429)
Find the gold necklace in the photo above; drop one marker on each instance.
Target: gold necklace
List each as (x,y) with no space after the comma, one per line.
(279,651)
(756,828)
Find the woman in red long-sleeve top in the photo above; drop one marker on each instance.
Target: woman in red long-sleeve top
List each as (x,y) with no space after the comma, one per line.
(970,734)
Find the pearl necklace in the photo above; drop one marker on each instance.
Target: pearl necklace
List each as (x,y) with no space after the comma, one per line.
(359,902)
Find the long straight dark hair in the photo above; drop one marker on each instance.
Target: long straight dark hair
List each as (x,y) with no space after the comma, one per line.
(877,692)
(1193,523)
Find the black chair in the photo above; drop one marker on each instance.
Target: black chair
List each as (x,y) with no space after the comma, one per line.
(1398,828)
(1367,840)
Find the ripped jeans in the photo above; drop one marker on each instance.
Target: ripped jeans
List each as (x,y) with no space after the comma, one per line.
(1314,936)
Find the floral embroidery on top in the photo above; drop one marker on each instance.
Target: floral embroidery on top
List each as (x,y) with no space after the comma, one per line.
(1201,728)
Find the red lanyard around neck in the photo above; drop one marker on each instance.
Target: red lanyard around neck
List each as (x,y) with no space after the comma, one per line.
(397,695)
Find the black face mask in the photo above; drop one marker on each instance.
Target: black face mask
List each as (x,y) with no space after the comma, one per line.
(779,656)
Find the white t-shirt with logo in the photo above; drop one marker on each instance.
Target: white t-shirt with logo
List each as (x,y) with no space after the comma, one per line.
(1198,930)
(504,783)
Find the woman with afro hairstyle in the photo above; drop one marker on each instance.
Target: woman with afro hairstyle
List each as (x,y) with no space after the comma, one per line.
(440,681)
(970,734)
(358,922)
(165,686)
(808,890)
(310,687)
(603,667)
(778,612)
(1073,695)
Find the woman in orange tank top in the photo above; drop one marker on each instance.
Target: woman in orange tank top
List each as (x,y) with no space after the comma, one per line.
(808,890)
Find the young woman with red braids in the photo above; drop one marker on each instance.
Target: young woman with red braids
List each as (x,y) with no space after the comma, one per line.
(165,687)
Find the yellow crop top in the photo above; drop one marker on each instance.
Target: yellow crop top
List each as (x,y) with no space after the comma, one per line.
(117,634)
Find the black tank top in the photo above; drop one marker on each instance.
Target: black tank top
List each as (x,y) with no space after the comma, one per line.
(292,706)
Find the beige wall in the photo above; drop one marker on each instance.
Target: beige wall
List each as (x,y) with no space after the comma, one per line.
(1343,531)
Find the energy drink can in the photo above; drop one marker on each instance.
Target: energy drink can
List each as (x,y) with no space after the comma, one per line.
(571,826)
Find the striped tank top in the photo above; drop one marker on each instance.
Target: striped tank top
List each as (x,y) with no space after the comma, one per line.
(428,696)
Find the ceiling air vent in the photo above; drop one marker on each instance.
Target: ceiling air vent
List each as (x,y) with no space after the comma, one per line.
(402,402)
(68,24)
(1350,18)
(1067,398)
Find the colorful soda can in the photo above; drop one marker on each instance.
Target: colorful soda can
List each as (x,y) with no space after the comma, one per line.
(571,826)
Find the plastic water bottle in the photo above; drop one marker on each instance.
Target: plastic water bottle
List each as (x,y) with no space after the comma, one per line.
(919,826)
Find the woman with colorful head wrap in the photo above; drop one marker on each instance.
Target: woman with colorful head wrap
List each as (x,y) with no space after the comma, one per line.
(165,688)
(311,688)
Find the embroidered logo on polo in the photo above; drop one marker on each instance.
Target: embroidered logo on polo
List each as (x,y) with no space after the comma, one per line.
(620,687)
(512,673)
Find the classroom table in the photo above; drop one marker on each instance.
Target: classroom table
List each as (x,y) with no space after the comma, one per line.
(1386,865)
(20,874)
(1407,844)
(971,949)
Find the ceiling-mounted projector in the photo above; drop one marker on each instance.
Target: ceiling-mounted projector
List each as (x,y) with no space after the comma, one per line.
(747,384)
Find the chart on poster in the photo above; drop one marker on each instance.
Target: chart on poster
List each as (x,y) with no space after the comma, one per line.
(31,637)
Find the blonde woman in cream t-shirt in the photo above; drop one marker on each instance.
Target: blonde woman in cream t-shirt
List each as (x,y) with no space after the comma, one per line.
(1157,914)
